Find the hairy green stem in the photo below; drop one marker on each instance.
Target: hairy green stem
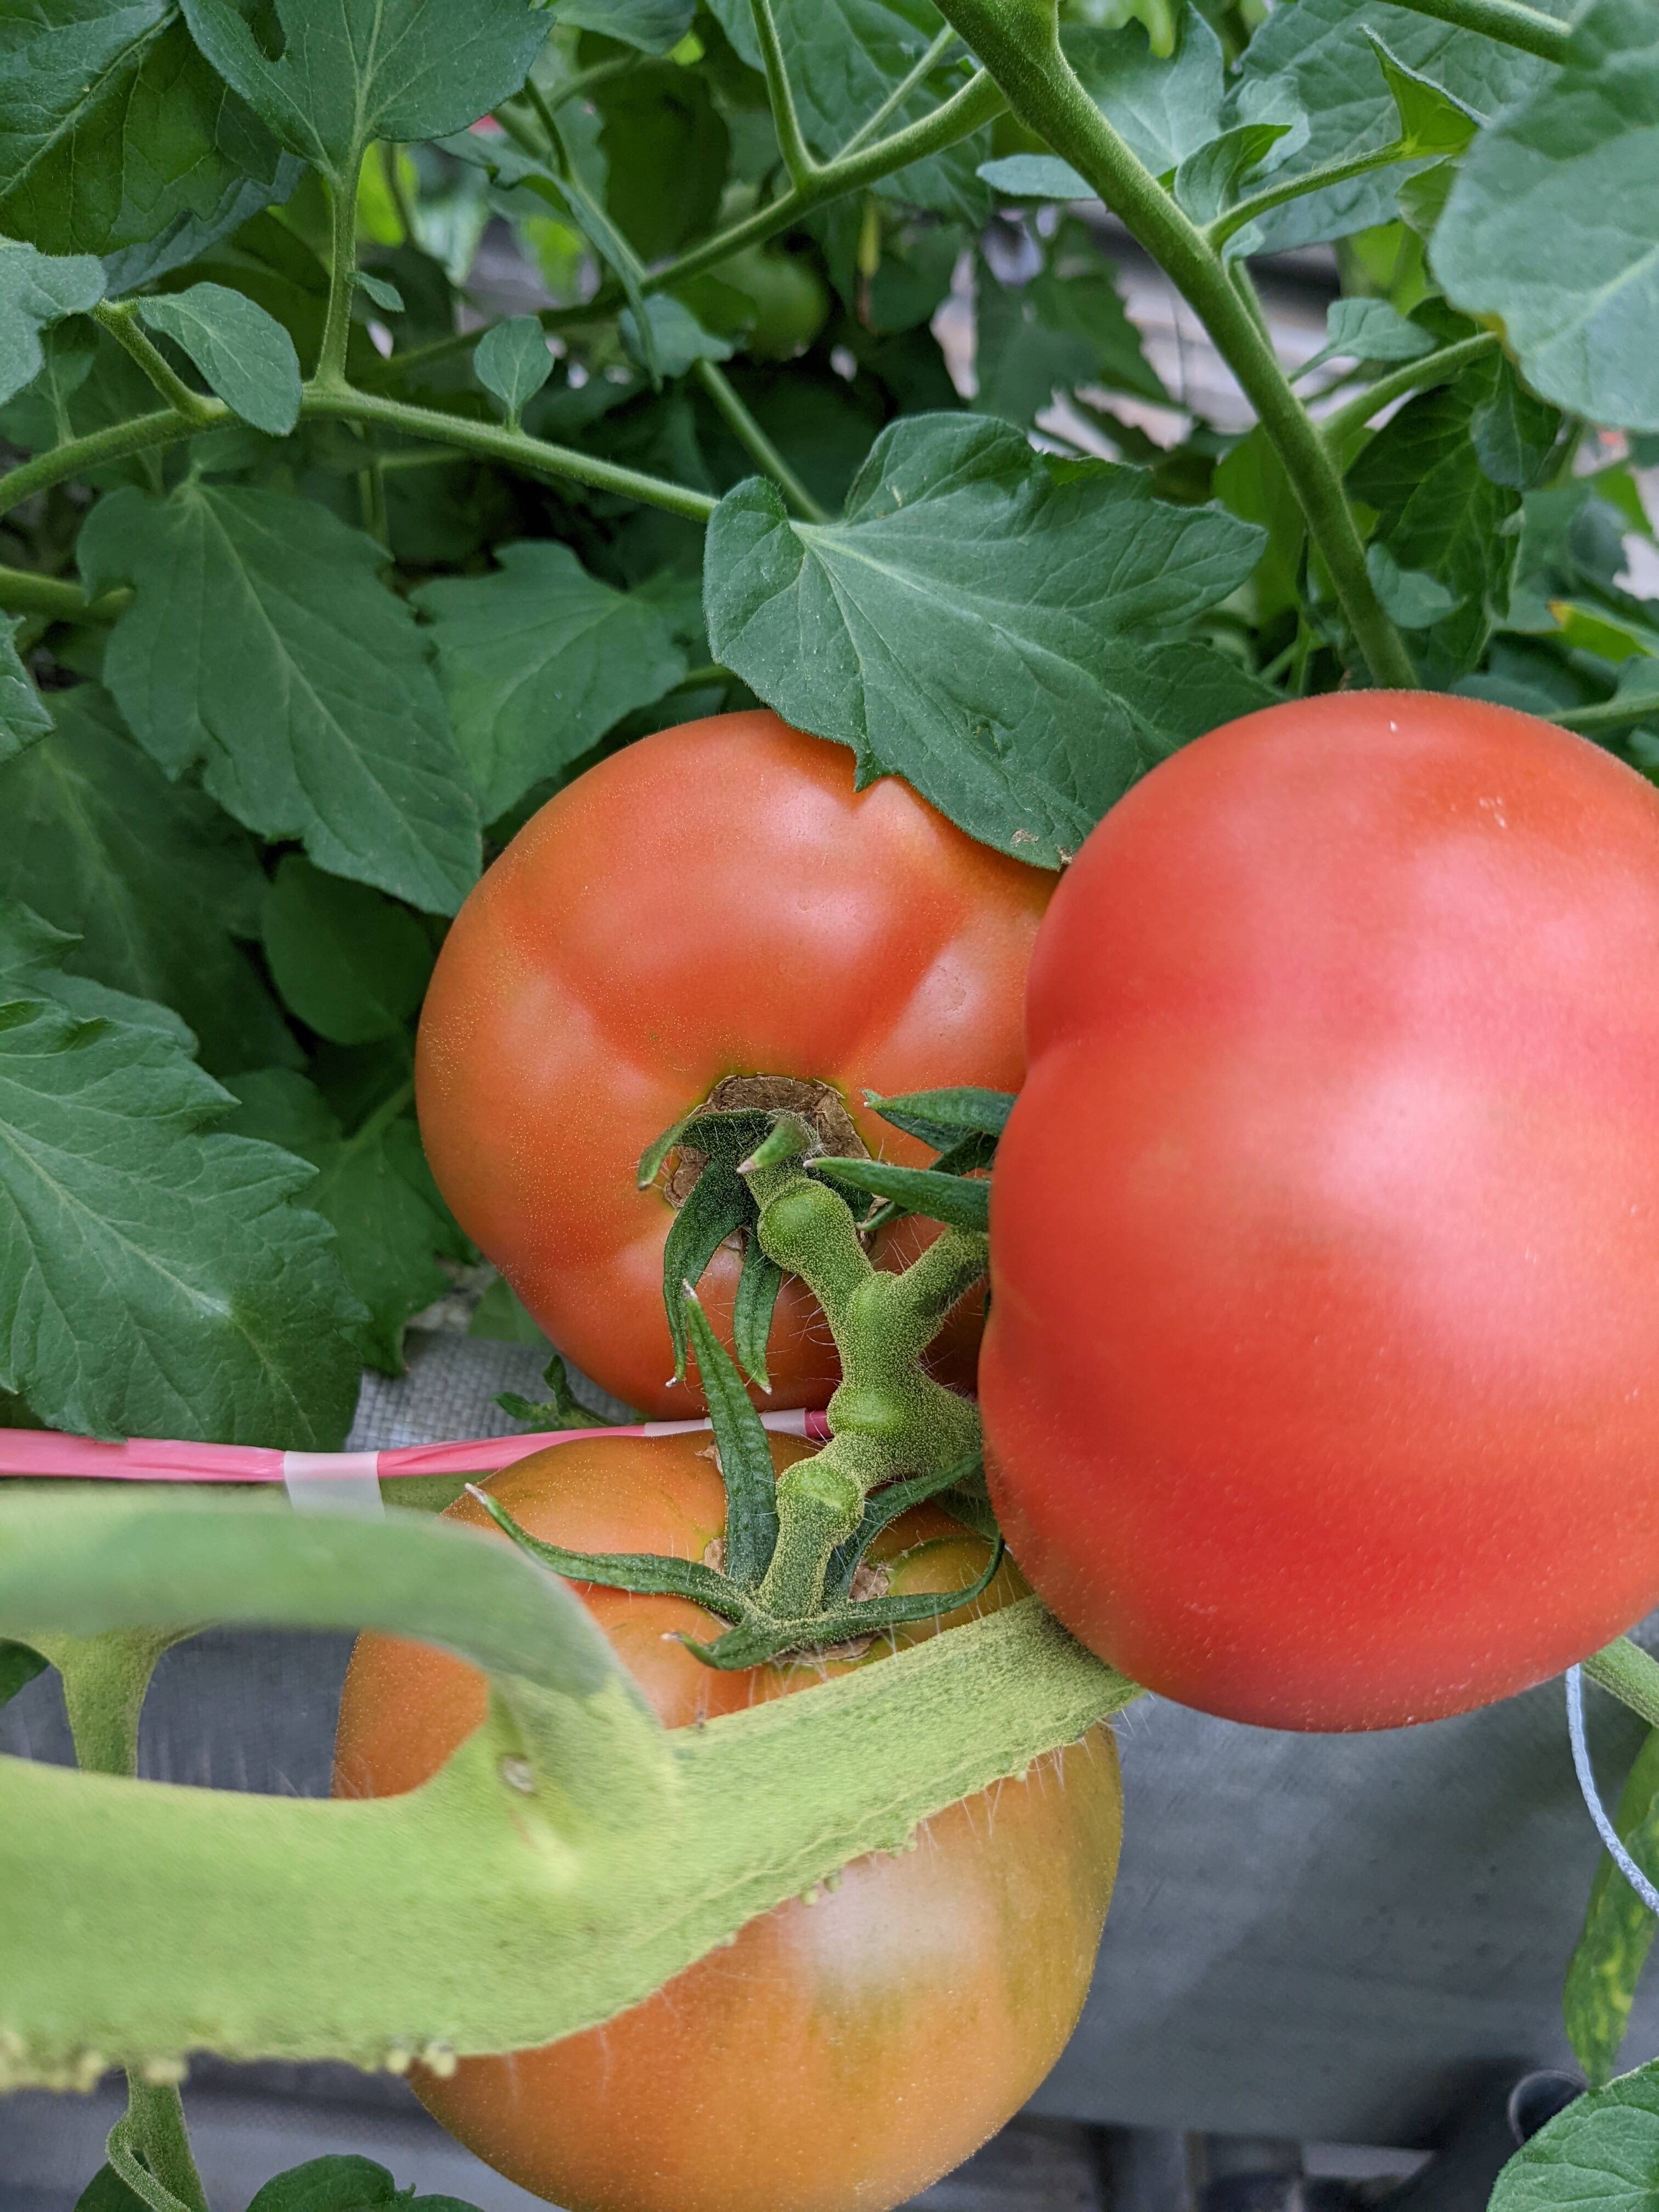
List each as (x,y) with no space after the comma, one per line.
(1429,368)
(141,1921)
(491,441)
(401,206)
(155,2130)
(77,456)
(1020,45)
(515,448)
(791,143)
(119,319)
(1506,20)
(341,275)
(1614,714)
(1232,220)
(1631,1674)
(755,443)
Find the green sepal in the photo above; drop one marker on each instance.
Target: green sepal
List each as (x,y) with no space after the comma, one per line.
(883,1507)
(957,1200)
(969,1501)
(752,1309)
(717,1205)
(941,1118)
(646,1573)
(974,1150)
(756,1641)
(789,1138)
(562,1408)
(744,1450)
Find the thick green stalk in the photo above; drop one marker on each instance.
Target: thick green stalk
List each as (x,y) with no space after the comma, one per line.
(492,440)
(76,456)
(755,443)
(1631,1674)
(1018,41)
(569,1859)
(1506,20)
(1429,368)
(341,275)
(791,142)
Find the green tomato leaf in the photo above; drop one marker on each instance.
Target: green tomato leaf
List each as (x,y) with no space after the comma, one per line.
(156,1279)
(1367,330)
(844,57)
(1515,433)
(1035,177)
(1576,166)
(667,146)
(1164,107)
(118,138)
(351,963)
(24,716)
(1066,326)
(262,643)
(538,661)
(669,338)
(33,951)
(328,2184)
(979,622)
(1619,1929)
(512,362)
(380,293)
(1431,120)
(1439,512)
(374,1190)
(1216,176)
(351,71)
(36,290)
(244,354)
(1322,51)
(653,25)
(1603,2149)
(1415,599)
(154,881)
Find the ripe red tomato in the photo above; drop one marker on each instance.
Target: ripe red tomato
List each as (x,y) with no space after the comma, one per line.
(846,2051)
(713,902)
(1322,1380)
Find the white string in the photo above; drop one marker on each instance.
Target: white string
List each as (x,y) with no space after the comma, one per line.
(1580,1760)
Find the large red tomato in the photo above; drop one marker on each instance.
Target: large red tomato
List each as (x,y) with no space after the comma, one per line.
(715,901)
(844,2052)
(1322,1380)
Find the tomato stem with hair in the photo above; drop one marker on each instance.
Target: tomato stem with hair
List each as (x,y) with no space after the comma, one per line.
(888,1418)
(1631,1674)
(1510,21)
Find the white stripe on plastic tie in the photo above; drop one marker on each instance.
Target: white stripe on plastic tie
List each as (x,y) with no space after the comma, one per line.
(1598,1812)
(334,1482)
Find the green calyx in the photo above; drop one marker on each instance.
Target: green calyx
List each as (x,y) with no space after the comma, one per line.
(794,1544)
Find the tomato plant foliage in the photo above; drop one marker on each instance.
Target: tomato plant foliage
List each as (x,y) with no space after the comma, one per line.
(810,382)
